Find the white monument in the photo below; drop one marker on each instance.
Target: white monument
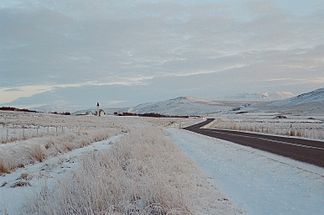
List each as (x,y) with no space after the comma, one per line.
(97,113)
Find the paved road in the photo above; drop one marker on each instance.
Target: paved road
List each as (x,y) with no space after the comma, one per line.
(308,151)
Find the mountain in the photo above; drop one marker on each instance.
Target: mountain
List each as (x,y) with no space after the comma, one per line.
(56,108)
(309,103)
(264,96)
(185,106)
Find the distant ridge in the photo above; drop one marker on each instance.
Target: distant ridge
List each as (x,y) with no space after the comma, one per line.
(310,102)
(264,96)
(185,105)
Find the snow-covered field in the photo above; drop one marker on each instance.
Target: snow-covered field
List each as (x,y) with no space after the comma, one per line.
(259,182)
(130,165)
(15,126)
(311,127)
(132,169)
(77,132)
(36,177)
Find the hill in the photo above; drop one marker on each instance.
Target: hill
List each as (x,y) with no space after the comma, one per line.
(306,103)
(185,106)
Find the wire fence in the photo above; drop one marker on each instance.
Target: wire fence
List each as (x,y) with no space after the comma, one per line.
(11,133)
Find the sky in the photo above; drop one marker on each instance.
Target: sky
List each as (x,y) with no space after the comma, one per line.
(121,53)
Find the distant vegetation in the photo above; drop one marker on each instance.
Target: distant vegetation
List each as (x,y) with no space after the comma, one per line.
(17,109)
(61,113)
(148,115)
(31,111)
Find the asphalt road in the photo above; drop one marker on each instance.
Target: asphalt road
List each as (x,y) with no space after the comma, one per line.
(309,151)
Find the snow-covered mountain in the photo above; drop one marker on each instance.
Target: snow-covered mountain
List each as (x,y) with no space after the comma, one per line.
(311,102)
(264,96)
(57,108)
(185,106)
(314,97)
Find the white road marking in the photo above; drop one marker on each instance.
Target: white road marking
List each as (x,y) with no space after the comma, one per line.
(270,140)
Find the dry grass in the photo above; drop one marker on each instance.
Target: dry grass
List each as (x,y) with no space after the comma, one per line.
(26,152)
(38,153)
(78,132)
(143,174)
(4,168)
(310,130)
(17,126)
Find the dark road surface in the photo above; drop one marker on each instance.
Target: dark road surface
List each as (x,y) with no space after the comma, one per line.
(309,151)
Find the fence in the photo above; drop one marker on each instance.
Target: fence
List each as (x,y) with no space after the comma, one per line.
(10,133)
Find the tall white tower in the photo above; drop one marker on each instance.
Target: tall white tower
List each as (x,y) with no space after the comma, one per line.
(98,114)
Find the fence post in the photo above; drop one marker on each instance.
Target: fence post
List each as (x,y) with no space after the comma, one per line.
(7,135)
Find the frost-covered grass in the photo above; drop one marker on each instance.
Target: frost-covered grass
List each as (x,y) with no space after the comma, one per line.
(35,136)
(9,133)
(142,174)
(13,198)
(306,128)
(46,135)
(18,154)
(16,126)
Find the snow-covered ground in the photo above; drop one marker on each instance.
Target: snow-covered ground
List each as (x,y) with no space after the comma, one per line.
(28,183)
(13,197)
(239,177)
(257,181)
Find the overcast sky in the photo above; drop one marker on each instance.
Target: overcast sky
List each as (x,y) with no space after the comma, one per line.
(124,52)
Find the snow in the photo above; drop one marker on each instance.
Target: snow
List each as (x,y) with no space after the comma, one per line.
(314,96)
(57,165)
(44,173)
(258,182)
(309,103)
(263,96)
(293,126)
(185,106)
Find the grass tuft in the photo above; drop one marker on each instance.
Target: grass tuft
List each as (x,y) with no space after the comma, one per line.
(3,167)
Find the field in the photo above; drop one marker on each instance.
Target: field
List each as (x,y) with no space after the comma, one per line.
(53,164)
(99,165)
(311,127)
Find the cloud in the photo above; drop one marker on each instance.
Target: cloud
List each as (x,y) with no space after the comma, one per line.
(202,72)
(46,44)
(313,80)
(11,94)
